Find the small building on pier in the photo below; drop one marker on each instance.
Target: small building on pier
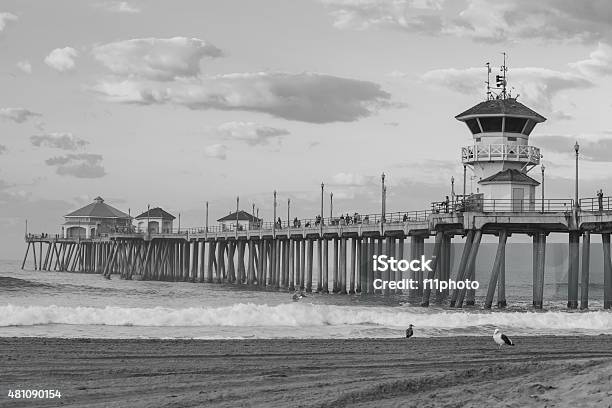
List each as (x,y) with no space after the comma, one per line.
(243,219)
(501,156)
(95,219)
(154,221)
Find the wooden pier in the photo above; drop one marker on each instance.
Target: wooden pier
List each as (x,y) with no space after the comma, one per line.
(285,256)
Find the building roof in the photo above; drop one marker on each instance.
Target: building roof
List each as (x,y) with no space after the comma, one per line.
(509,107)
(510,175)
(156,212)
(242,216)
(98,209)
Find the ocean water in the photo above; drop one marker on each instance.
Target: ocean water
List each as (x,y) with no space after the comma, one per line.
(61,304)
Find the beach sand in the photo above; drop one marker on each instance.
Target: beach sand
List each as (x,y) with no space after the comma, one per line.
(419,372)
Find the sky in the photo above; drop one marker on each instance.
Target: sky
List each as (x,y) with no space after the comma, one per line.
(176,103)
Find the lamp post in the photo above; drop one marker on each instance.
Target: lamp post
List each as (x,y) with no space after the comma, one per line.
(253,214)
(179,226)
(331,206)
(288,211)
(576,204)
(452,191)
(274,216)
(543,168)
(321,223)
(464,175)
(237,209)
(148,219)
(206,230)
(383,197)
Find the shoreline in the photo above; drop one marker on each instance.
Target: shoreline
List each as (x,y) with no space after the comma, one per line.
(447,371)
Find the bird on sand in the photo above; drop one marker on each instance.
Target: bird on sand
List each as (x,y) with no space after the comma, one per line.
(409,332)
(501,339)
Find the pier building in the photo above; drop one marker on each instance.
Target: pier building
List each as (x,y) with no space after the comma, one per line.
(94,219)
(154,221)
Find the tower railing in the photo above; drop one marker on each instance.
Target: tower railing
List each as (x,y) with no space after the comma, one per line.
(499,152)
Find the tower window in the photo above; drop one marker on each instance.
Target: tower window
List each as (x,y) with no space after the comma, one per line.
(491,124)
(478,139)
(473,125)
(530,125)
(511,139)
(515,125)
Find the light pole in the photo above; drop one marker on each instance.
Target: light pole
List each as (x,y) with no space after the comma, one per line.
(253,215)
(179,226)
(148,219)
(274,216)
(237,207)
(543,168)
(331,206)
(288,211)
(576,204)
(383,191)
(464,175)
(206,230)
(452,191)
(322,190)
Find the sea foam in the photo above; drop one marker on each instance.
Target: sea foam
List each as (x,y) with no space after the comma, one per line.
(438,322)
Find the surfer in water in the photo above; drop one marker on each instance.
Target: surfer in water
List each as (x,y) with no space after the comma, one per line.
(297,296)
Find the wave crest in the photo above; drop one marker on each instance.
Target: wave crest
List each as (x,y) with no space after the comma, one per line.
(307,315)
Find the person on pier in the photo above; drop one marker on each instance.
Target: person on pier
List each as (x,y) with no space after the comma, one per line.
(600,199)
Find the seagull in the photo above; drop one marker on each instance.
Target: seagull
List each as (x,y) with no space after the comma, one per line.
(409,332)
(501,339)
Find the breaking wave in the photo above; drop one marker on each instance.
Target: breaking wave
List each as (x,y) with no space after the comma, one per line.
(431,323)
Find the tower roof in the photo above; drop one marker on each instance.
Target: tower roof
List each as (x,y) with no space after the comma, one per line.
(98,209)
(241,216)
(501,107)
(510,175)
(156,212)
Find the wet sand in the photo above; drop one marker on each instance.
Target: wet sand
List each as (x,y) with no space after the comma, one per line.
(420,372)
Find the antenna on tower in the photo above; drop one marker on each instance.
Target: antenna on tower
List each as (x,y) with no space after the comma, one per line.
(489,96)
(501,80)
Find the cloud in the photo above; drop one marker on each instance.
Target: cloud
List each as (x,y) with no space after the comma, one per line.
(599,62)
(480,20)
(62,59)
(81,165)
(350,179)
(306,97)
(2,149)
(25,66)
(250,132)
(599,150)
(536,86)
(160,59)
(216,151)
(64,141)
(5,18)
(17,115)
(119,7)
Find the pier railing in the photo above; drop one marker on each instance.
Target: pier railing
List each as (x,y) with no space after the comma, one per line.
(506,152)
(548,205)
(398,217)
(595,204)
(458,205)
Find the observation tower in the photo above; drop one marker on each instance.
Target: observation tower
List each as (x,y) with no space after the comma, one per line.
(501,155)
